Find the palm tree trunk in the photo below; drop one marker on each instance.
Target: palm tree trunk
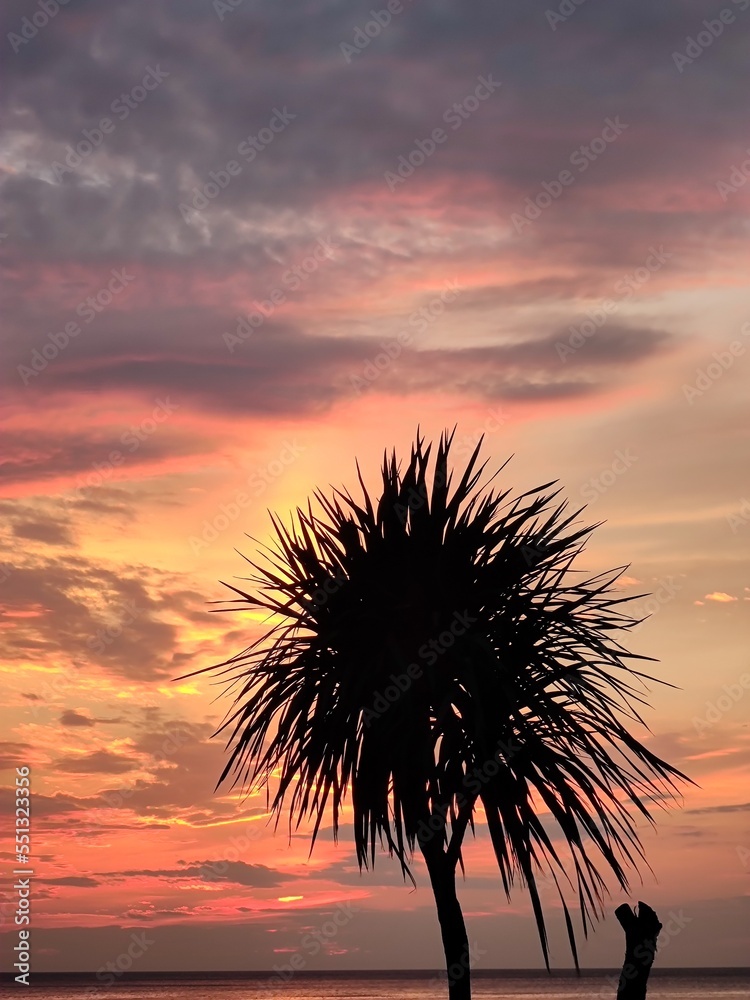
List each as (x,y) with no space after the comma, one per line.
(641,931)
(452,927)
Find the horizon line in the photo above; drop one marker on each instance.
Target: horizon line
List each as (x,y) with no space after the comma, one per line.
(416,973)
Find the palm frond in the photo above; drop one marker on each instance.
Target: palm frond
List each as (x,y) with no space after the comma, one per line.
(518,692)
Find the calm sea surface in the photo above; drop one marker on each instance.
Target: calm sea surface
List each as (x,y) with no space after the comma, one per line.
(705,985)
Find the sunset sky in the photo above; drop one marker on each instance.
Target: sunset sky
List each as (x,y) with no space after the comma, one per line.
(247,243)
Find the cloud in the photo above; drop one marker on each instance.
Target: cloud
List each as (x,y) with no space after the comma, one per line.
(72,718)
(47,806)
(184,764)
(546,107)
(323,178)
(111,620)
(287,372)
(720,597)
(75,881)
(13,755)
(49,532)
(96,762)
(707,810)
(235,872)
(84,457)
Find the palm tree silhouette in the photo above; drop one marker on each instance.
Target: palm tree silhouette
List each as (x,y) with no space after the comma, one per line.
(435,658)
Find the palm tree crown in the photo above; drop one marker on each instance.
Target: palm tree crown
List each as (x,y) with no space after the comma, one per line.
(436,659)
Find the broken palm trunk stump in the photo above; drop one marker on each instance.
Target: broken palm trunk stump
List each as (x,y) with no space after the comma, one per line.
(641,931)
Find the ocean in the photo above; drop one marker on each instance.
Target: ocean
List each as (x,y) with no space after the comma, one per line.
(676,985)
